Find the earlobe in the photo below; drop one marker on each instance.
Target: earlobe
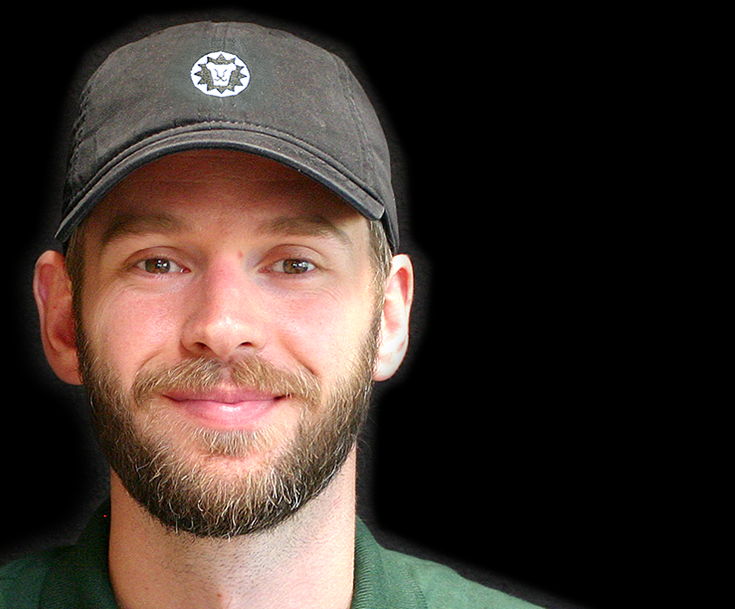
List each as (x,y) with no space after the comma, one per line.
(396,315)
(53,294)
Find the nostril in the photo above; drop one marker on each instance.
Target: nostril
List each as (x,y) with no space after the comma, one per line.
(222,338)
(226,313)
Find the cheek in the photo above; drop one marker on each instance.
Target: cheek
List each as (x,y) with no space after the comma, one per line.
(128,330)
(327,334)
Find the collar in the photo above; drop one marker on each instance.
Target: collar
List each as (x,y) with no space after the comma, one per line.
(381,581)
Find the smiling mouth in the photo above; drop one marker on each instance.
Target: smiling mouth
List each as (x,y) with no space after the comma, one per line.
(225,408)
(223,395)
(242,394)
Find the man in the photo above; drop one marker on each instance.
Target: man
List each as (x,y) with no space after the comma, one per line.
(230,289)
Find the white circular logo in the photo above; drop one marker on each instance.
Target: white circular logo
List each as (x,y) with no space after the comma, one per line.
(220,74)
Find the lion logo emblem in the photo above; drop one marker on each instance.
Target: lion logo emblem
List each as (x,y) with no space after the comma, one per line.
(220,74)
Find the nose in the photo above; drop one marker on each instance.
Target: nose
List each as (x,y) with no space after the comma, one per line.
(226,314)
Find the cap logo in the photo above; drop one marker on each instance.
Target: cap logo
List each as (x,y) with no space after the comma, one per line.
(220,74)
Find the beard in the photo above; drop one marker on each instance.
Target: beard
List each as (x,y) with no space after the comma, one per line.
(174,469)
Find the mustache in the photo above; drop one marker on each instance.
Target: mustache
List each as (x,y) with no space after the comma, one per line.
(252,372)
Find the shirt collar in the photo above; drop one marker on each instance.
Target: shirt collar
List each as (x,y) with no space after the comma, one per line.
(380,581)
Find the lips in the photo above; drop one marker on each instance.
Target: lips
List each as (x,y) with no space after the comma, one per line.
(224,407)
(223,395)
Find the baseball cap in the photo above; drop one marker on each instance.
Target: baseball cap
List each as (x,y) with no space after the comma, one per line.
(228,85)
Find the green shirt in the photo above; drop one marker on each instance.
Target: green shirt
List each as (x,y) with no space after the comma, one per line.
(76,577)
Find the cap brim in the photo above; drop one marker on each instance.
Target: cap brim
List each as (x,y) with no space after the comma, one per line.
(308,161)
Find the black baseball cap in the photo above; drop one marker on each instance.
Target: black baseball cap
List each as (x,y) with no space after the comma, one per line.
(228,85)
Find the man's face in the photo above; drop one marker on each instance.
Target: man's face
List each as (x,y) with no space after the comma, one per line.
(228,330)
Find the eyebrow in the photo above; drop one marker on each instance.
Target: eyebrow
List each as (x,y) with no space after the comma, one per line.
(135,224)
(310,226)
(126,224)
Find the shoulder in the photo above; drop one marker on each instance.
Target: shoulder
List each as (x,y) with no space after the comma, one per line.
(444,588)
(21,581)
(386,579)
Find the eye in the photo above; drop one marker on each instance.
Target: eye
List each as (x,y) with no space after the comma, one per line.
(293,266)
(159,266)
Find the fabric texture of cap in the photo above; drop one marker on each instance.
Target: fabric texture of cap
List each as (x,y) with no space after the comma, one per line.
(228,85)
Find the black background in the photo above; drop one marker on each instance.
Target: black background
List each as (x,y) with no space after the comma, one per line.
(515,442)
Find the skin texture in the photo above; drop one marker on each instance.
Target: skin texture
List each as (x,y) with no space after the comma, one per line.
(225,256)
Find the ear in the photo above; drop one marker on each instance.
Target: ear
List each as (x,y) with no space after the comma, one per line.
(52,291)
(395,319)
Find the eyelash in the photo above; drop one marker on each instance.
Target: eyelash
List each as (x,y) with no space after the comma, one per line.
(160,265)
(297,266)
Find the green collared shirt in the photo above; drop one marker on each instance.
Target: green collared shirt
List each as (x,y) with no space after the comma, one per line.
(77,578)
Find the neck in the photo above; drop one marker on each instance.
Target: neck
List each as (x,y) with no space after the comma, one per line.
(306,562)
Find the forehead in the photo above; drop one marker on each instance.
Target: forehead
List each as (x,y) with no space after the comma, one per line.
(231,182)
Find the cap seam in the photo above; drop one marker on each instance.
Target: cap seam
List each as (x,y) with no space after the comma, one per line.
(78,130)
(357,119)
